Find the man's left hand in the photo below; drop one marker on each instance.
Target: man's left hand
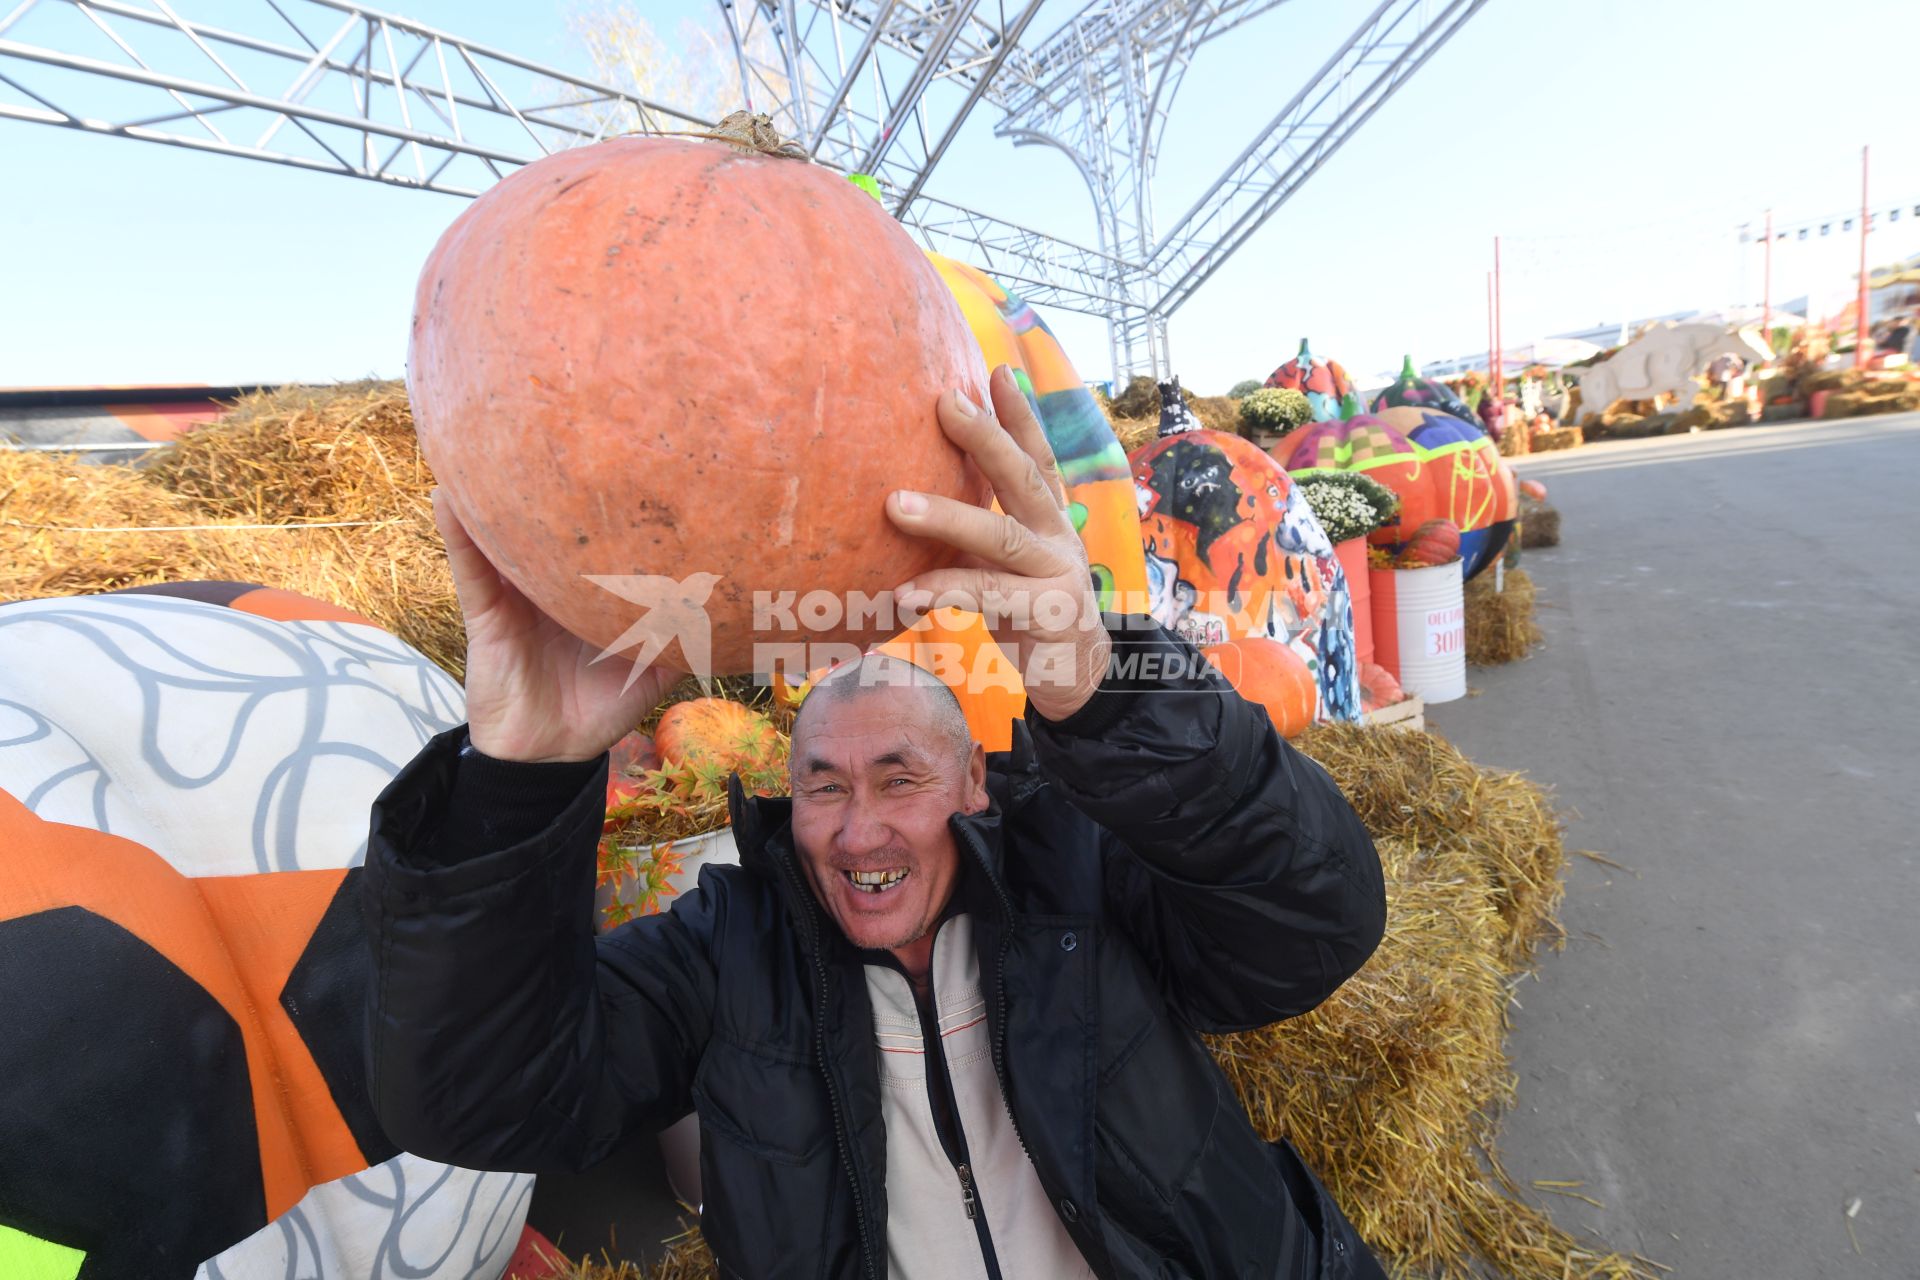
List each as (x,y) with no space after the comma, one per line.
(1025,570)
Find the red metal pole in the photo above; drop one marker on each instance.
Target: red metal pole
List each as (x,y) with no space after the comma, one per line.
(1766,288)
(1489,328)
(1499,337)
(1862,344)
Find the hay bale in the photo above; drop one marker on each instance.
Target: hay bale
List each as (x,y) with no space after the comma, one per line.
(1141,399)
(1826,380)
(1217,413)
(1539,524)
(1558,438)
(250,498)
(1134,433)
(1390,1088)
(1500,623)
(1423,790)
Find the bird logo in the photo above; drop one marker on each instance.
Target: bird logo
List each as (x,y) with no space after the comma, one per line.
(675,611)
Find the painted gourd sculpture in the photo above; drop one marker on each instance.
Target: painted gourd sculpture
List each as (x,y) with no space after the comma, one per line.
(1328,389)
(1234,551)
(1411,391)
(184,787)
(1441,468)
(953,644)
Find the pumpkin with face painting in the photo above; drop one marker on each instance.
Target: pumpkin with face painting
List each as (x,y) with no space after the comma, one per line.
(1233,551)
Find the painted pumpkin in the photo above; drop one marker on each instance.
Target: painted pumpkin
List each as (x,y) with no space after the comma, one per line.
(1328,389)
(668,355)
(1412,391)
(1234,551)
(953,644)
(185,776)
(1270,673)
(1440,467)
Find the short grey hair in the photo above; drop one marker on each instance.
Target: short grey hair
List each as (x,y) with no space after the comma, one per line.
(874,671)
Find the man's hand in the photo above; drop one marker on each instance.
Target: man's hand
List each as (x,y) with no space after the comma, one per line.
(534,692)
(1025,571)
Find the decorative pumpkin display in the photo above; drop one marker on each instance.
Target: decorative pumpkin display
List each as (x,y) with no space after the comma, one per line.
(953,644)
(1272,674)
(1435,542)
(1410,390)
(717,733)
(185,776)
(1326,385)
(690,357)
(1441,468)
(1234,551)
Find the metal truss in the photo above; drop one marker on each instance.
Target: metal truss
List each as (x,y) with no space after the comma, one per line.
(881,87)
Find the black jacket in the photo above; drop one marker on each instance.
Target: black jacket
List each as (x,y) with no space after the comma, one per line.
(1163,864)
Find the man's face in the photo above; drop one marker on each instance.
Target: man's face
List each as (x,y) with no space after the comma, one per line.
(874,782)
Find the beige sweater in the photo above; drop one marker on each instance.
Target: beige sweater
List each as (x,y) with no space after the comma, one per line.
(929,1233)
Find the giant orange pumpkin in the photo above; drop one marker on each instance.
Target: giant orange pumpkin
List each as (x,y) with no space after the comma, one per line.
(1272,674)
(658,358)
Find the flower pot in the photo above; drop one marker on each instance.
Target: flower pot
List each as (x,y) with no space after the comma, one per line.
(695,852)
(1352,555)
(1419,629)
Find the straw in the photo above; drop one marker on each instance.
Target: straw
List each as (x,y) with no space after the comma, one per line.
(1500,623)
(317,490)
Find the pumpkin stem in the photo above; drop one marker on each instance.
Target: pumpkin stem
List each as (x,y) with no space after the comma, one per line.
(750,131)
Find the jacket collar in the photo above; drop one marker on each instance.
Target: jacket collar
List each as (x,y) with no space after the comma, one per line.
(763,832)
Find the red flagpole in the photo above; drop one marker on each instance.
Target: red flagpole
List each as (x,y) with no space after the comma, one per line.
(1766,288)
(1499,337)
(1489,329)
(1862,344)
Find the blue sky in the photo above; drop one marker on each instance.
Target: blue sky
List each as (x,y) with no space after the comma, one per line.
(1616,147)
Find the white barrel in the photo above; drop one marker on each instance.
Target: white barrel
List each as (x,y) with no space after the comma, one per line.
(1430,616)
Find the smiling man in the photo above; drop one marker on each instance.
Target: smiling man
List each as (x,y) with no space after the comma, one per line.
(943,1019)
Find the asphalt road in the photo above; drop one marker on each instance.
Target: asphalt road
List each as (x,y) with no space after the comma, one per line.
(1728,1050)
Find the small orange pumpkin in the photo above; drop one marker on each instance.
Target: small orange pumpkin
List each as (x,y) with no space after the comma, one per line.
(707,732)
(1433,543)
(1271,674)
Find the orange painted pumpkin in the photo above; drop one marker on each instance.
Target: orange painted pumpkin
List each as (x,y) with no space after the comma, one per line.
(669,358)
(1534,489)
(1271,674)
(717,732)
(1435,542)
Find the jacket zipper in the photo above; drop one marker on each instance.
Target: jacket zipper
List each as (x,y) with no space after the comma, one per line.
(954,1144)
(1000,988)
(841,1139)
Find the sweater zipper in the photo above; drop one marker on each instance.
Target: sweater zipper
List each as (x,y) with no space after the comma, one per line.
(954,1144)
(838,1105)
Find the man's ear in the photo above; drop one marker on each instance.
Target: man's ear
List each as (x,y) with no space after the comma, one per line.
(976,797)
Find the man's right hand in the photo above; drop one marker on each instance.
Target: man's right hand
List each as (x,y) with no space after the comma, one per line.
(534,692)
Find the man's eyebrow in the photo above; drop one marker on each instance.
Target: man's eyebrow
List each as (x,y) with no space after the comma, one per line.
(816,764)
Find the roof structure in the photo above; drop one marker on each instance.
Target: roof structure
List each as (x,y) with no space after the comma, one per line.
(882,87)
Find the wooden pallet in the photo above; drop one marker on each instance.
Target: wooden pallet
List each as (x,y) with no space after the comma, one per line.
(1408,714)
